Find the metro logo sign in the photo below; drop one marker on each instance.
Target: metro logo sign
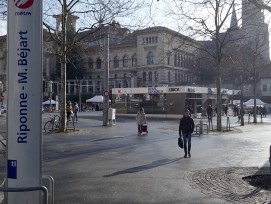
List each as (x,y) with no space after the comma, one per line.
(23,4)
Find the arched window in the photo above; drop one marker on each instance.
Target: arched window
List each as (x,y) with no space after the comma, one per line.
(90,63)
(134,60)
(99,63)
(116,62)
(125,61)
(150,76)
(150,57)
(144,76)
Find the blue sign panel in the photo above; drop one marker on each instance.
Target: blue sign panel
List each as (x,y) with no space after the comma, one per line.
(12,169)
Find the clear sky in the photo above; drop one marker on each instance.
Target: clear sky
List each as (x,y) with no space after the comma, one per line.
(155,13)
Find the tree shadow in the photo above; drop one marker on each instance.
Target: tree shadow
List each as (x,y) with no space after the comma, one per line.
(152,165)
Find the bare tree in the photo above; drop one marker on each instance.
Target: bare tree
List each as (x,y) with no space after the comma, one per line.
(253,65)
(210,24)
(94,15)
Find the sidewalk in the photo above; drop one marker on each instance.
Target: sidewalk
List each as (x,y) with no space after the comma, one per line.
(212,175)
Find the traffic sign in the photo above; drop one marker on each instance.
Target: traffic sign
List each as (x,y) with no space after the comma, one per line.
(106,93)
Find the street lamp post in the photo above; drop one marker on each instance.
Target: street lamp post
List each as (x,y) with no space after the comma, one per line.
(50,90)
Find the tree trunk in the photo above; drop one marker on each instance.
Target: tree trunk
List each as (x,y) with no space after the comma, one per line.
(63,119)
(63,80)
(242,105)
(255,105)
(218,98)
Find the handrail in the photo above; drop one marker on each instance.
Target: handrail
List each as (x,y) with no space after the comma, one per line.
(52,187)
(39,188)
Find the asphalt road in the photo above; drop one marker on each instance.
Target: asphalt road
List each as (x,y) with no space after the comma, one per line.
(98,164)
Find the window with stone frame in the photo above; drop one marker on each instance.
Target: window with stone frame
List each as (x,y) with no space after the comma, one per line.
(179,60)
(175,60)
(125,61)
(168,75)
(264,88)
(90,63)
(99,63)
(168,59)
(144,77)
(150,57)
(116,62)
(156,76)
(150,76)
(134,60)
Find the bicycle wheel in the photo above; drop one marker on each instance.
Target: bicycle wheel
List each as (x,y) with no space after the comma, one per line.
(48,126)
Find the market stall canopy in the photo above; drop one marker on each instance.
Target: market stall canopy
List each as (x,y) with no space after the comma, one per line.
(250,102)
(96,99)
(53,102)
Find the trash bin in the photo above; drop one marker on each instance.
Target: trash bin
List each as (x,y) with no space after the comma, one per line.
(112,116)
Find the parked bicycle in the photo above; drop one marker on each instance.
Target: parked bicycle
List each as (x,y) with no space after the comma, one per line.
(52,124)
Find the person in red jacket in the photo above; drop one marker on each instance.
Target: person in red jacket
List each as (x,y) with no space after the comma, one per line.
(186,128)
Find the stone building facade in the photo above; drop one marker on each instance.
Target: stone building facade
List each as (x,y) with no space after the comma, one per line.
(151,57)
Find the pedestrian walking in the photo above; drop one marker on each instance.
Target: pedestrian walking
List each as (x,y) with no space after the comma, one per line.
(140,119)
(75,111)
(209,111)
(186,128)
(69,110)
(226,110)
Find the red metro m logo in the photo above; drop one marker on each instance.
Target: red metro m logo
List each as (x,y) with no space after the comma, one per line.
(23,4)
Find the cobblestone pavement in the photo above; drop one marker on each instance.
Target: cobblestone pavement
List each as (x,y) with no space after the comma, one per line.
(228,184)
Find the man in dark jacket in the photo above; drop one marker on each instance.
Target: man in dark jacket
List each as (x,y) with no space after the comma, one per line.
(186,128)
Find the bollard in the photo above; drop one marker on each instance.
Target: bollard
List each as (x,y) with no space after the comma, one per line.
(261,118)
(248,118)
(200,127)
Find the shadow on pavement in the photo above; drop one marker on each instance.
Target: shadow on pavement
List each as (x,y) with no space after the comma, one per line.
(152,165)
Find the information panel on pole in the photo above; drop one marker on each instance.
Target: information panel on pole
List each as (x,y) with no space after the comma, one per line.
(24,141)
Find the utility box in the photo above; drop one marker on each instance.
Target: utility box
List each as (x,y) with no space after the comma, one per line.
(111,116)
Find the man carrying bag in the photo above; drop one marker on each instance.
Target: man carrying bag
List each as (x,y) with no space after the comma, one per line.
(186,128)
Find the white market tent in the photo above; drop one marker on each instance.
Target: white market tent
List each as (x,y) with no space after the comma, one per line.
(250,102)
(95,99)
(53,102)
